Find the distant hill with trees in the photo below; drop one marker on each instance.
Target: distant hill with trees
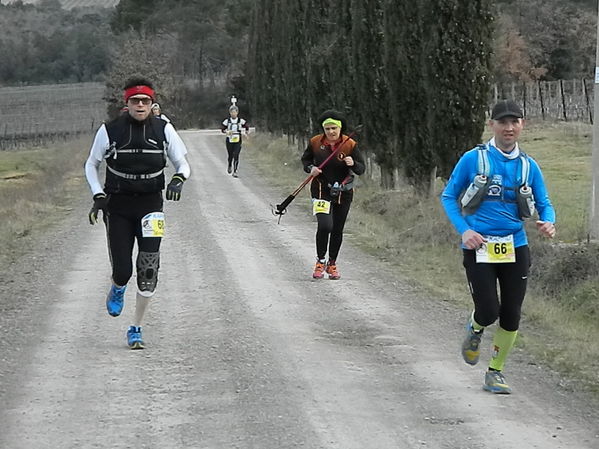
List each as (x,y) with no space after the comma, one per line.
(197,51)
(545,39)
(68,4)
(71,40)
(45,43)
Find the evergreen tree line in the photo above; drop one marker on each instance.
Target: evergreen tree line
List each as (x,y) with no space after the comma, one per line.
(196,51)
(412,74)
(545,40)
(44,43)
(193,50)
(202,40)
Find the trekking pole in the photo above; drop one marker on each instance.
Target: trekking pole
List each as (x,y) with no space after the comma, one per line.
(280,209)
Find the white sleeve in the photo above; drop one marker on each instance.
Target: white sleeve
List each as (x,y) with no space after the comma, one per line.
(176,151)
(165,118)
(96,156)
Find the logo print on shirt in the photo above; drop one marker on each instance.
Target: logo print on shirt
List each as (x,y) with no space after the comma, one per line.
(495,188)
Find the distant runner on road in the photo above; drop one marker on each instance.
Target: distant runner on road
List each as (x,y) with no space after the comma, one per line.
(332,187)
(157,112)
(234,127)
(492,190)
(135,147)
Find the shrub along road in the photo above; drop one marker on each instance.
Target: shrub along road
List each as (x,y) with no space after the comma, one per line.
(245,350)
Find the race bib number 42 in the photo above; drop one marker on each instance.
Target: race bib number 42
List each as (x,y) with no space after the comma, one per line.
(152,225)
(321,207)
(497,250)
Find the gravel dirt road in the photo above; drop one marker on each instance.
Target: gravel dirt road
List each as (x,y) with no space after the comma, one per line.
(245,350)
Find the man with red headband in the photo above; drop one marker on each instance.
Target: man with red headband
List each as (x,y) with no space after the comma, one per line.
(135,147)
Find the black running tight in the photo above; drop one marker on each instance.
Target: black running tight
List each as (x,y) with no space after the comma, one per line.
(330,230)
(233,149)
(512,278)
(123,227)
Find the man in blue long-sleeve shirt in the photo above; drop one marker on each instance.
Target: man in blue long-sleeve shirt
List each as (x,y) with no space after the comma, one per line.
(494,240)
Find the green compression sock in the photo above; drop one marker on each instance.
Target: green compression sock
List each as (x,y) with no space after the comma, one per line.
(503,342)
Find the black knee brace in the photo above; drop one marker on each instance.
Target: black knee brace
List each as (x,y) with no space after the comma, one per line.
(147,271)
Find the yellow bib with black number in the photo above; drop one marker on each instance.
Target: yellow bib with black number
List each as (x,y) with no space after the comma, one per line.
(321,207)
(152,225)
(234,138)
(497,250)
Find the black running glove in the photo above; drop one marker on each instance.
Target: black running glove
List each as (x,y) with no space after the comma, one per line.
(173,190)
(100,203)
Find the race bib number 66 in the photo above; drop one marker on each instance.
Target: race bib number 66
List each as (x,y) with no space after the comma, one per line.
(497,250)
(152,225)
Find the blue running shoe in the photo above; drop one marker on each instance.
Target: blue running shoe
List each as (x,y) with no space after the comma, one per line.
(115,300)
(471,345)
(134,338)
(495,383)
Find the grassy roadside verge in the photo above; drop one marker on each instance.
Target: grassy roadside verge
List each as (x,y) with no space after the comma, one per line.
(560,327)
(37,188)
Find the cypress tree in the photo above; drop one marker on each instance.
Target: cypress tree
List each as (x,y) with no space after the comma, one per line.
(438,68)
(370,85)
(416,75)
(406,108)
(259,63)
(458,78)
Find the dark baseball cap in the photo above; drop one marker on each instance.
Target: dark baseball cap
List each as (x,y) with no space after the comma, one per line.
(506,108)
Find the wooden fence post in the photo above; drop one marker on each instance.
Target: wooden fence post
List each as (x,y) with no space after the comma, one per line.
(524,97)
(586,95)
(541,98)
(561,88)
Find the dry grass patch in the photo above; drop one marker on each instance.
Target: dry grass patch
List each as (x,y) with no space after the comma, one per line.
(36,189)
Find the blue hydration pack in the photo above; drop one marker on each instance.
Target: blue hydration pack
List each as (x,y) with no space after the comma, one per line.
(473,196)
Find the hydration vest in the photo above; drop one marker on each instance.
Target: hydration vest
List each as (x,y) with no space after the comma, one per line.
(136,158)
(474,195)
(237,125)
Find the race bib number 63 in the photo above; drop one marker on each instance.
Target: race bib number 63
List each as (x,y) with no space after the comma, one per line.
(497,250)
(152,225)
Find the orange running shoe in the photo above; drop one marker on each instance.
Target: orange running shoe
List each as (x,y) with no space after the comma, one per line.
(318,270)
(331,270)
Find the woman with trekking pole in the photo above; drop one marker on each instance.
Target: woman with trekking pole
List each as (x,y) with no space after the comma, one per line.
(332,159)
